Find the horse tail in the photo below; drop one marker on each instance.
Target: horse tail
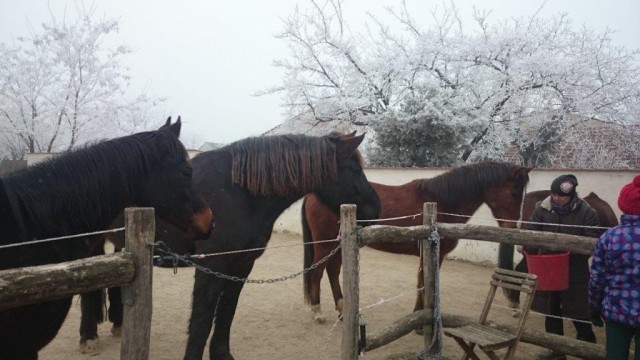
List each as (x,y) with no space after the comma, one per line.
(308,252)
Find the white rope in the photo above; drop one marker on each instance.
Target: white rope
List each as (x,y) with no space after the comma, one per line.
(393,298)
(60,238)
(390,219)
(525,222)
(202,256)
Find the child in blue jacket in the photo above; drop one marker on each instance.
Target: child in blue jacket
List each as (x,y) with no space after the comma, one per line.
(614,285)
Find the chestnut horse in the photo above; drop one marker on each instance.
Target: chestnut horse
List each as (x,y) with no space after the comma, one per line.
(459,191)
(606,216)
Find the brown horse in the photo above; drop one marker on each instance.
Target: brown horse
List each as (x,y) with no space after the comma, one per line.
(606,216)
(460,191)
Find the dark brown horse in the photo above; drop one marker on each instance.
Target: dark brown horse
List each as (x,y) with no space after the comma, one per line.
(252,182)
(460,191)
(79,192)
(606,216)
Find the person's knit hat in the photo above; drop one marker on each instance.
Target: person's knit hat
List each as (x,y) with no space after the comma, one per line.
(564,185)
(629,198)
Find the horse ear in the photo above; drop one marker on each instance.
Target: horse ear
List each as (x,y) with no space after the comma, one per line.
(347,145)
(173,128)
(166,124)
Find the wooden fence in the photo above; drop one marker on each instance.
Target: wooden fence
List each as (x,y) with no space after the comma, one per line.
(132,268)
(355,238)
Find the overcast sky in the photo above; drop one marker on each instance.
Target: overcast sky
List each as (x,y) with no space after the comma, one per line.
(208,57)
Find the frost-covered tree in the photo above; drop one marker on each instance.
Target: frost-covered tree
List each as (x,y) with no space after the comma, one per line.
(62,86)
(411,138)
(522,82)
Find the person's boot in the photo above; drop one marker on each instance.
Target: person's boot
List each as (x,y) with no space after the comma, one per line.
(585,332)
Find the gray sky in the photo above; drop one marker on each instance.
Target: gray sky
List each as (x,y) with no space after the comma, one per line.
(208,57)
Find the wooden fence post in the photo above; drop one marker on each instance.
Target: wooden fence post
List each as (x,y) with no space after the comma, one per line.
(429,214)
(140,229)
(350,282)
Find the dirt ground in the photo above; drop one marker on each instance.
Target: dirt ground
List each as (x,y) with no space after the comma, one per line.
(272,321)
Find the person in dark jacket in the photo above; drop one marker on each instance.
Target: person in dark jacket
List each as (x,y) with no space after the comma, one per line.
(614,287)
(565,212)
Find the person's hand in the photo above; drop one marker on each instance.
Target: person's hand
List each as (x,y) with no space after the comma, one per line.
(596,318)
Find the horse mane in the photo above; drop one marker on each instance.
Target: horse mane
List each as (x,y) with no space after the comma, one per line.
(85,176)
(283,165)
(468,181)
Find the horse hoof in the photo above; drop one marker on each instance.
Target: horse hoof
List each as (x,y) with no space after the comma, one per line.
(90,347)
(319,319)
(419,331)
(116,331)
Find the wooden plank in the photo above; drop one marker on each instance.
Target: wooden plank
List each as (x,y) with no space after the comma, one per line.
(484,336)
(350,281)
(136,325)
(28,285)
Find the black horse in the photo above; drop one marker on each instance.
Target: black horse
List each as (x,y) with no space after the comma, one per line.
(252,182)
(83,191)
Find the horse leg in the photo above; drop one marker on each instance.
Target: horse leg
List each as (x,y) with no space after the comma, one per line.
(314,293)
(219,348)
(333,272)
(206,291)
(115,310)
(91,305)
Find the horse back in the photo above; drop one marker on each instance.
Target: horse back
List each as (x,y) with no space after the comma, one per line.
(606,215)
(401,201)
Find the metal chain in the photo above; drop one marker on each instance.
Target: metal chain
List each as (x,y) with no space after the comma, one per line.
(185,259)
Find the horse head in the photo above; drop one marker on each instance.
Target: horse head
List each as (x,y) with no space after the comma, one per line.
(171,173)
(350,185)
(506,198)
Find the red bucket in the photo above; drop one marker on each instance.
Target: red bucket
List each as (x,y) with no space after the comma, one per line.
(552,270)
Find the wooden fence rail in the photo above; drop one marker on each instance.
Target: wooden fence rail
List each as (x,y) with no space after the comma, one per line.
(28,285)
(543,240)
(131,268)
(386,233)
